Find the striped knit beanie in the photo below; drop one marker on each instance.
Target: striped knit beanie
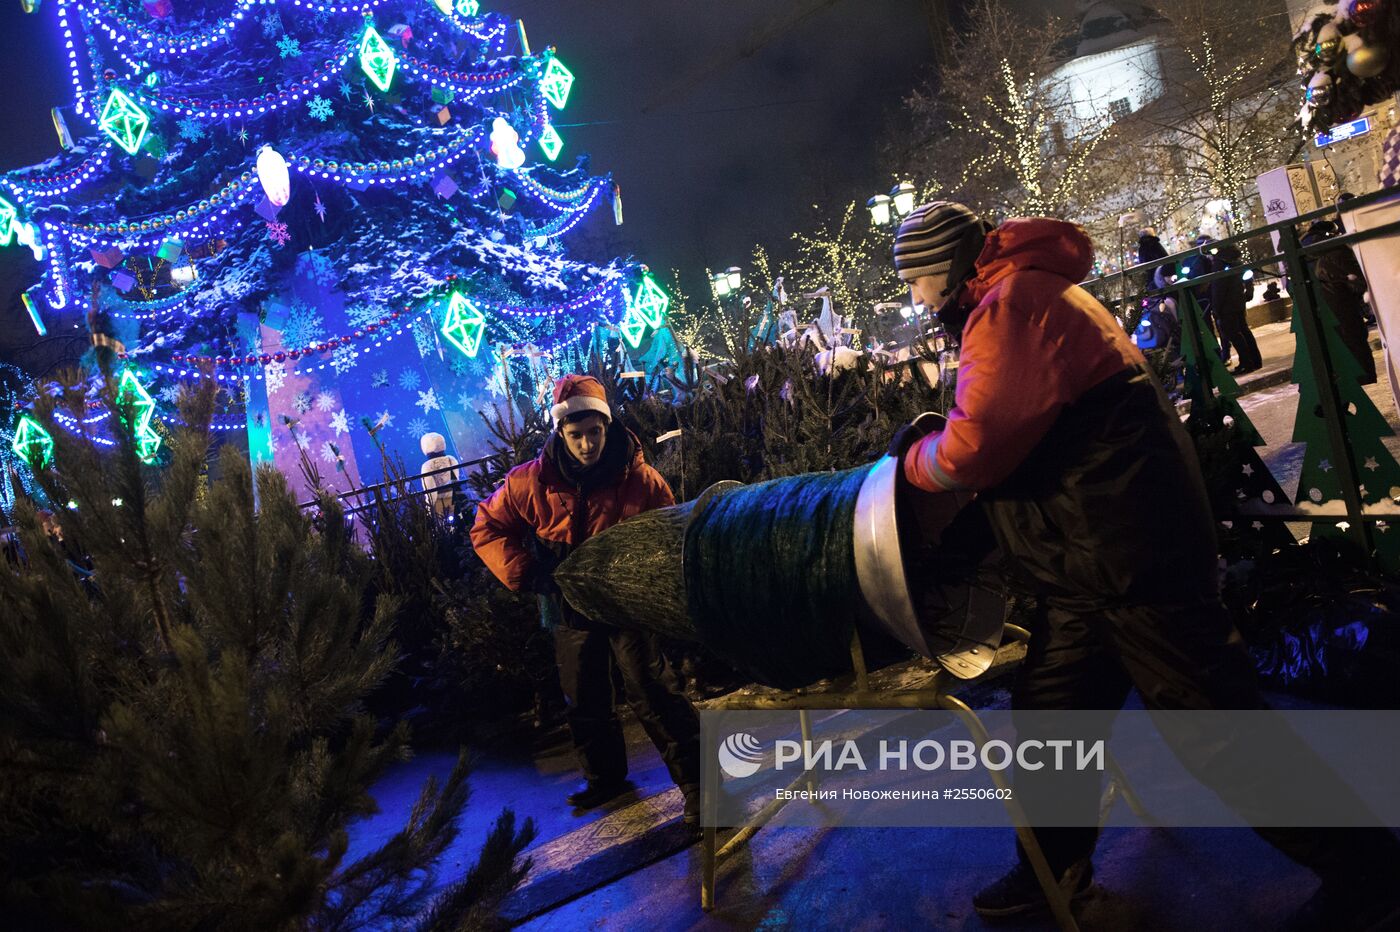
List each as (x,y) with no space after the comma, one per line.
(929,237)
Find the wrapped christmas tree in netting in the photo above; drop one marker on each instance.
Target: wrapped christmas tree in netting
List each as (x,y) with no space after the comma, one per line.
(775,578)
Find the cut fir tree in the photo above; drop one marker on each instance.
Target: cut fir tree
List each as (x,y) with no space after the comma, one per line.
(181,679)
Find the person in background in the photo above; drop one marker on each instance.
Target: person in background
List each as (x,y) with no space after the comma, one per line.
(1200,266)
(1095,494)
(1149,249)
(1343,288)
(1228,300)
(438,487)
(590,476)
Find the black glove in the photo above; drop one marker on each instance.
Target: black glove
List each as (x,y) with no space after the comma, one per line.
(911,433)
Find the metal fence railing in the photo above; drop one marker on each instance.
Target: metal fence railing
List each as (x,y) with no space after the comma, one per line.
(1356,517)
(401,488)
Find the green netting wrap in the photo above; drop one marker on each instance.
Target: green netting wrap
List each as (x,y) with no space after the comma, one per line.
(770,576)
(630,574)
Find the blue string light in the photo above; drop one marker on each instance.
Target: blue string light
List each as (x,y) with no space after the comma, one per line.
(268,103)
(52,187)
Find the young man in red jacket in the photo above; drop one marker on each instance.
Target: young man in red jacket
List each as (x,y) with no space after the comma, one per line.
(590,476)
(1096,497)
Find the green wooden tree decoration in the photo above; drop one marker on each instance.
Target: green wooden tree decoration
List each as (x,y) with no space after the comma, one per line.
(1213,391)
(1237,478)
(1324,473)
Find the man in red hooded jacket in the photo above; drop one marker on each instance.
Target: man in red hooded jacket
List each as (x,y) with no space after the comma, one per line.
(1095,495)
(590,476)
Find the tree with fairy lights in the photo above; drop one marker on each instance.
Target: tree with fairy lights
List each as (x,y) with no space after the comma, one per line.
(988,121)
(350,213)
(1221,118)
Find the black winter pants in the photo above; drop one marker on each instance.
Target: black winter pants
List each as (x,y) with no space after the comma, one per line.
(585,654)
(1178,658)
(1234,331)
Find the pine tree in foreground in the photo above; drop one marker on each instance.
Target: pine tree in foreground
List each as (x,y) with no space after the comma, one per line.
(182,667)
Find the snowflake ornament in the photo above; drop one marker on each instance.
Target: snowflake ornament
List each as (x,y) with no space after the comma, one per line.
(243,135)
(320,108)
(417,427)
(386,419)
(191,129)
(380,379)
(343,359)
(428,401)
(346,90)
(276,375)
(329,453)
(278,233)
(289,47)
(318,268)
(362,315)
(325,401)
(339,423)
(170,394)
(423,337)
(302,402)
(271,24)
(303,327)
(496,384)
(464,402)
(409,380)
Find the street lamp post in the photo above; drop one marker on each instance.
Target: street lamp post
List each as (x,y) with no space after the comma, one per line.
(726,283)
(887,210)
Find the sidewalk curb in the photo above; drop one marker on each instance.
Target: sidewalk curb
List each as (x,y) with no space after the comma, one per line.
(1281,376)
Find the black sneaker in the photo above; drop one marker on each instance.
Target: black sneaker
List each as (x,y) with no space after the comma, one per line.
(1019,891)
(596,792)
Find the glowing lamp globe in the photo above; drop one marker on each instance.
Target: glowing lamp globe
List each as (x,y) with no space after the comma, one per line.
(879,207)
(272,172)
(734,276)
(903,199)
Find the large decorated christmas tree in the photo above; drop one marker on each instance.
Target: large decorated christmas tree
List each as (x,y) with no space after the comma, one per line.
(350,215)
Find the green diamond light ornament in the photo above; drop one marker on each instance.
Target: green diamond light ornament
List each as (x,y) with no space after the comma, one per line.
(125,122)
(137,407)
(649,302)
(377,58)
(468,7)
(551,142)
(9,214)
(147,445)
(32,443)
(465,325)
(556,82)
(632,328)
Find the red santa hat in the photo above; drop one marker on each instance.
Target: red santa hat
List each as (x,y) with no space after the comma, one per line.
(576,393)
